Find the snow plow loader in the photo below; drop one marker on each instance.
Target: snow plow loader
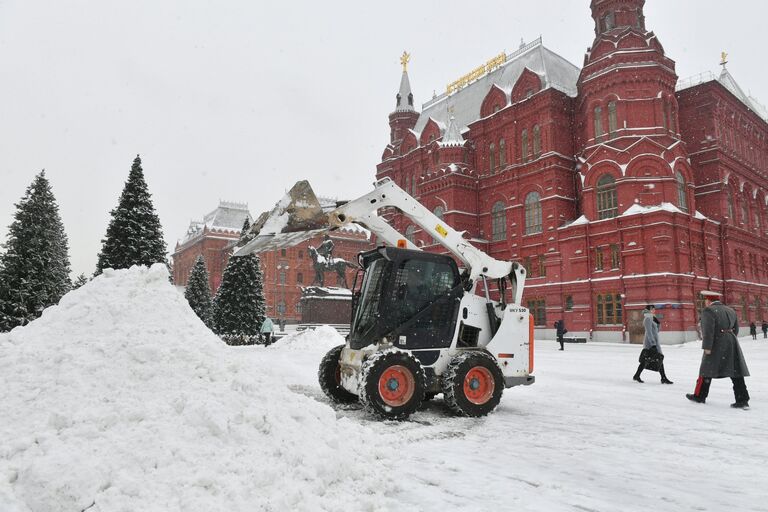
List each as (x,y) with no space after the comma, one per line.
(420,325)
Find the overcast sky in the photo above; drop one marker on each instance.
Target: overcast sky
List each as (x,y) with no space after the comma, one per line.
(237,100)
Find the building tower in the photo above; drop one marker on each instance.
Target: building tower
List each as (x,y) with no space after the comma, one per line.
(628,134)
(404,116)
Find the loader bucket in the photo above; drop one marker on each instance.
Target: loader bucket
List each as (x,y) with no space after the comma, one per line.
(298,216)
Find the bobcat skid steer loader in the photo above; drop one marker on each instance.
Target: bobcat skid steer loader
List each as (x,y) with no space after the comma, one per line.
(420,325)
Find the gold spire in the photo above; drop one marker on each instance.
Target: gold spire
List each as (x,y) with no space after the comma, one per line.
(723,59)
(404,59)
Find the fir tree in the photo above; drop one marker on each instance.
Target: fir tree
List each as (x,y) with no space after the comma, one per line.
(198,292)
(79,281)
(134,235)
(34,270)
(238,309)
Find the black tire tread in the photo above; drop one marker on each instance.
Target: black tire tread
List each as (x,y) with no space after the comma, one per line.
(326,376)
(373,366)
(453,383)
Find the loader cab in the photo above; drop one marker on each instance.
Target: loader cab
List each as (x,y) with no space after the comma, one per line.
(410,298)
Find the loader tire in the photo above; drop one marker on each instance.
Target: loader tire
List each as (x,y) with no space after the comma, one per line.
(392,384)
(473,384)
(329,376)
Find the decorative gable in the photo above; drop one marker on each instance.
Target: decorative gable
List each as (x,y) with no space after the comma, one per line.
(495,100)
(526,86)
(430,133)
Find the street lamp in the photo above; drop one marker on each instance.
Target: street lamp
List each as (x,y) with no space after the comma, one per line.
(281,268)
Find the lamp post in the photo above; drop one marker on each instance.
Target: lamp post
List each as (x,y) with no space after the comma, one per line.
(282,267)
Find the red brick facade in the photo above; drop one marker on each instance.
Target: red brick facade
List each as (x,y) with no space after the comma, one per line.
(614,188)
(284,271)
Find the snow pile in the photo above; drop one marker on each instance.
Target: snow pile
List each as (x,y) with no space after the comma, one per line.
(319,340)
(120,399)
(278,217)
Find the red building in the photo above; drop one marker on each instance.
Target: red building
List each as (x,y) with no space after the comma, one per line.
(285,271)
(615,184)
(212,238)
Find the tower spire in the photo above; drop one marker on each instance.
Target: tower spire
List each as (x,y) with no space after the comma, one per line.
(404,95)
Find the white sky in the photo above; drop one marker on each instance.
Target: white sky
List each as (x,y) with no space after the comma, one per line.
(237,100)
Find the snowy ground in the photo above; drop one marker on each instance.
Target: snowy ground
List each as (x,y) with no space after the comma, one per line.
(119,400)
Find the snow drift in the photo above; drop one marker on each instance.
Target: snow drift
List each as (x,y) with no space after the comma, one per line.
(119,398)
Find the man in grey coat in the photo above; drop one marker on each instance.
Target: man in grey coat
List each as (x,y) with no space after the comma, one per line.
(722,353)
(651,346)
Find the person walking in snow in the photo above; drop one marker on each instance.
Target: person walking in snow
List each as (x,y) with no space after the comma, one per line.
(651,356)
(722,354)
(266,330)
(765,329)
(753,330)
(561,330)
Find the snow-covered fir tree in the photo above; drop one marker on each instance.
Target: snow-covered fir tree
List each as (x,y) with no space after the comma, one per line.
(79,281)
(134,235)
(198,292)
(238,309)
(34,269)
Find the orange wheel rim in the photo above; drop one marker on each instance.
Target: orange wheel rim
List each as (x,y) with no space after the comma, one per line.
(479,385)
(396,385)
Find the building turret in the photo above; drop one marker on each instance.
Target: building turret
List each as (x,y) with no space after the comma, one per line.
(628,133)
(405,116)
(617,14)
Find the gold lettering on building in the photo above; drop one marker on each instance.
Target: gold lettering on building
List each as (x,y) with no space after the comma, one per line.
(476,73)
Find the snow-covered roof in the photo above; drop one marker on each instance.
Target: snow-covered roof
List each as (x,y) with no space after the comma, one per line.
(464,104)
(452,137)
(726,80)
(639,209)
(228,216)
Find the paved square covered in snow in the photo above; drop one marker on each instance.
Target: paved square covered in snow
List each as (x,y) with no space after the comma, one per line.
(120,399)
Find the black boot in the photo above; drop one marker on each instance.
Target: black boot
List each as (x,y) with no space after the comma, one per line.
(638,372)
(664,379)
(695,398)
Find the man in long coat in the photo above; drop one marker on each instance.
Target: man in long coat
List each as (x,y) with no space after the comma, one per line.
(722,353)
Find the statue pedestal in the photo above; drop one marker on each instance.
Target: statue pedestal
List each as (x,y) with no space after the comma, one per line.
(329,305)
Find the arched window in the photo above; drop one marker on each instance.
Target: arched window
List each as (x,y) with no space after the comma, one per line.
(536,141)
(438,212)
(607,204)
(758,222)
(745,213)
(410,233)
(532,213)
(610,21)
(502,153)
(492,156)
(498,222)
(729,199)
(671,116)
(682,197)
(598,123)
(612,120)
(524,145)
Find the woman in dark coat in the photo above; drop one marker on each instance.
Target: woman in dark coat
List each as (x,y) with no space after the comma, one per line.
(753,330)
(722,353)
(765,329)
